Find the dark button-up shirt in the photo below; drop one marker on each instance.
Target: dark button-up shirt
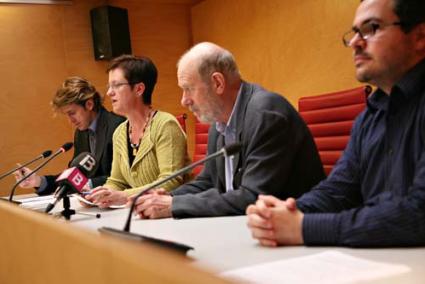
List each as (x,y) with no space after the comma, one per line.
(375,195)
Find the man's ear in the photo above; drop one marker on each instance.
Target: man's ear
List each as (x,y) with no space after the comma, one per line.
(218,82)
(419,37)
(89,105)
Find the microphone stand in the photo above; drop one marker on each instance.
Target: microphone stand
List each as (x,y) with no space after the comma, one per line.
(176,174)
(67,212)
(81,166)
(226,151)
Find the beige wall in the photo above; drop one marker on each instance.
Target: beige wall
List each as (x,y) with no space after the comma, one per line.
(43,44)
(288,46)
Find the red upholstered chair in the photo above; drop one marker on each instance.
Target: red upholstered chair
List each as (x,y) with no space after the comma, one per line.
(201,141)
(330,118)
(182,120)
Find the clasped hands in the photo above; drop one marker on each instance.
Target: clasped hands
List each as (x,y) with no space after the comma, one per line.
(275,222)
(152,205)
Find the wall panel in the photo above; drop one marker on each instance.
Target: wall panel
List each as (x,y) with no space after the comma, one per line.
(292,47)
(32,64)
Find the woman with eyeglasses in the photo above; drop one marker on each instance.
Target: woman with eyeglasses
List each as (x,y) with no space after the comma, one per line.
(149,145)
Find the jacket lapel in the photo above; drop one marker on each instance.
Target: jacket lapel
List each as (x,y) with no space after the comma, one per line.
(221,174)
(145,146)
(101,130)
(245,96)
(121,146)
(84,141)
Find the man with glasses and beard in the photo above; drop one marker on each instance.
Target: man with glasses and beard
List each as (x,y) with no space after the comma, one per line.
(375,195)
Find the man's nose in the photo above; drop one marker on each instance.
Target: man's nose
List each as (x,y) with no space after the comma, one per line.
(185,101)
(357,42)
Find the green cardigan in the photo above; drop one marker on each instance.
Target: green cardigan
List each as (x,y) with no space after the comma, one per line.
(162,151)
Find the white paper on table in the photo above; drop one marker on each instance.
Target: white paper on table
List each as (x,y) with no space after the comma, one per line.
(36,202)
(82,199)
(327,267)
(36,199)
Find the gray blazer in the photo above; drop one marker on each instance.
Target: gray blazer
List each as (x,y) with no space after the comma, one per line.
(278,157)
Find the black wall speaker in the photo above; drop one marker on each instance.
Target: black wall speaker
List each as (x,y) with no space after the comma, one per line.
(111,34)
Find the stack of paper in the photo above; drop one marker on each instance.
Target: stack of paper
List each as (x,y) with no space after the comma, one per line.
(326,267)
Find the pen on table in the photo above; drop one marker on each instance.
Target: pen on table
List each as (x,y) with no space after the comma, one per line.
(87,192)
(22,170)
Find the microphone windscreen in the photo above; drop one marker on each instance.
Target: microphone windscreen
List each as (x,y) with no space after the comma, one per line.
(85,162)
(67,146)
(46,154)
(72,177)
(232,149)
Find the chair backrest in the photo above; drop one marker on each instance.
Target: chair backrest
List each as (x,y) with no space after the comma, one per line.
(201,142)
(330,118)
(181,118)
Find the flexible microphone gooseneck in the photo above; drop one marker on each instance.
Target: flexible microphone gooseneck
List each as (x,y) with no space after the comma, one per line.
(43,155)
(225,151)
(65,147)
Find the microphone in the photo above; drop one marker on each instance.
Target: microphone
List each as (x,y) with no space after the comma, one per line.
(43,155)
(65,147)
(75,178)
(225,151)
(86,163)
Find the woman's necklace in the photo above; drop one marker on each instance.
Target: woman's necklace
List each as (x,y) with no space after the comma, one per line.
(135,146)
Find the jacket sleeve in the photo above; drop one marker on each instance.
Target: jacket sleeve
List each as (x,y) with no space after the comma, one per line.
(98,180)
(264,170)
(387,220)
(48,187)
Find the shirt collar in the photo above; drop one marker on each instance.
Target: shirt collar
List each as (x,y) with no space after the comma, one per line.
(93,124)
(378,100)
(410,85)
(231,123)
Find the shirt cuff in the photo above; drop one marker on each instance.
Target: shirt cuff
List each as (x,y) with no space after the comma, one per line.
(90,183)
(321,228)
(43,185)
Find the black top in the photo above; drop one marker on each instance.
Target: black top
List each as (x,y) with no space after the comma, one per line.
(106,125)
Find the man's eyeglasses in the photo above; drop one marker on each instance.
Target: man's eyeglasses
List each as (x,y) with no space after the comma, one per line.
(115,86)
(365,31)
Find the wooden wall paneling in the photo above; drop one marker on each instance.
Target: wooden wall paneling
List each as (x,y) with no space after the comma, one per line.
(43,44)
(291,47)
(32,64)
